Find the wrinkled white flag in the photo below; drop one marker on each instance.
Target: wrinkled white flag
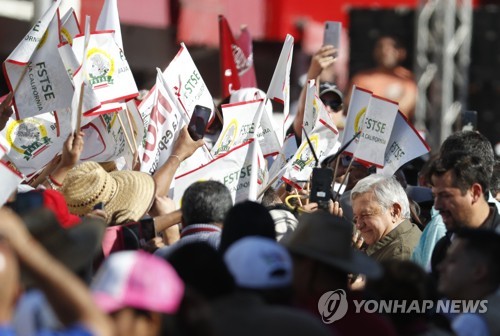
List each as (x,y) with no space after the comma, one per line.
(376,132)
(355,117)
(44,84)
(404,145)
(234,169)
(110,20)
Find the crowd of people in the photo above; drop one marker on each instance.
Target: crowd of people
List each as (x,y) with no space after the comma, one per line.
(76,257)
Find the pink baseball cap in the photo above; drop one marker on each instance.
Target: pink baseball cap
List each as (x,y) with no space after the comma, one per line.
(137,279)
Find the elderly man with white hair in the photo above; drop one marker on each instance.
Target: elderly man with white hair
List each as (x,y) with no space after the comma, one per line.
(381,213)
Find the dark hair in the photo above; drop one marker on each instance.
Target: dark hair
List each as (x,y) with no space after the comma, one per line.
(495,179)
(205,202)
(201,267)
(471,142)
(246,219)
(467,169)
(486,245)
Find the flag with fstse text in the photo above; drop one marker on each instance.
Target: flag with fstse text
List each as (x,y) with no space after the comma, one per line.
(404,145)
(35,72)
(376,131)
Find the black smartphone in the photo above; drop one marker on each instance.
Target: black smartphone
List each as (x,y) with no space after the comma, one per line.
(198,123)
(321,187)
(136,234)
(331,34)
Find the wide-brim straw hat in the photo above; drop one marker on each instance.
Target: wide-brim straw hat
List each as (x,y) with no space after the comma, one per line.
(327,239)
(126,195)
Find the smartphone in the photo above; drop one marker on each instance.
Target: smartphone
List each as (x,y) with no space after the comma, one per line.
(321,187)
(137,234)
(332,33)
(469,120)
(198,123)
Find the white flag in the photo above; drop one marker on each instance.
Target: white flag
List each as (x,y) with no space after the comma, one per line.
(286,153)
(69,26)
(324,140)
(33,142)
(44,84)
(106,68)
(404,145)
(165,121)
(238,125)
(110,20)
(311,107)
(234,170)
(355,117)
(104,138)
(9,180)
(185,82)
(279,88)
(376,132)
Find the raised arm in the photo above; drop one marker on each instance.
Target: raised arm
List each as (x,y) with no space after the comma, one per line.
(321,60)
(68,296)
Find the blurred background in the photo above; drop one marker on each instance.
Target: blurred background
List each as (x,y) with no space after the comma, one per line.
(453,45)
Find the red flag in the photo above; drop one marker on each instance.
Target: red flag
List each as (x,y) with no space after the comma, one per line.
(229,74)
(246,70)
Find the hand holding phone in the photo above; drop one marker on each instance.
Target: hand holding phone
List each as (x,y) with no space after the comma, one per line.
(321,187)
(198,123)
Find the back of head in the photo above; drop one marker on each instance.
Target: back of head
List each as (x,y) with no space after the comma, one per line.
(246,219)
(138,280)
(202,268)
(485,244)
(472,142)
(259,263)
(387,191)
(205,202)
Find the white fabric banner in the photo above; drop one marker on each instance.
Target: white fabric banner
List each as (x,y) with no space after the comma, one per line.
(404,145)
(311,108)
(104,138)
(33,142)
(9,180)
(69,26)
(376,132)
(44,85)
(279,88)
(110,20)
(355,117)
(107,69)
(324,140)
(186,84)
(165,121)
(286,153)
(234,170)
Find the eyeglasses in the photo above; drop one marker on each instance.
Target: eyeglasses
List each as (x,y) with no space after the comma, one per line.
(335,104)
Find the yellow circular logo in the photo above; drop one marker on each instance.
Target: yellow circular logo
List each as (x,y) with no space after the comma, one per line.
(66,35)
(228,137)
(43,39)
(100,67)
(24,135)
(304,154)
(359,120)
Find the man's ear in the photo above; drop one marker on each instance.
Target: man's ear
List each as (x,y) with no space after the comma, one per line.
(477,192)
(396,211)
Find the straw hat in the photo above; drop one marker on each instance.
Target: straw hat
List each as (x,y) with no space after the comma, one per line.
(126,195)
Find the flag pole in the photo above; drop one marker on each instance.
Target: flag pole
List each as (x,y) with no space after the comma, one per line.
(133,132)
(125,133)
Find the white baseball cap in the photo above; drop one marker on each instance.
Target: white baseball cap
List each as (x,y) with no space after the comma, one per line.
(259,263)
